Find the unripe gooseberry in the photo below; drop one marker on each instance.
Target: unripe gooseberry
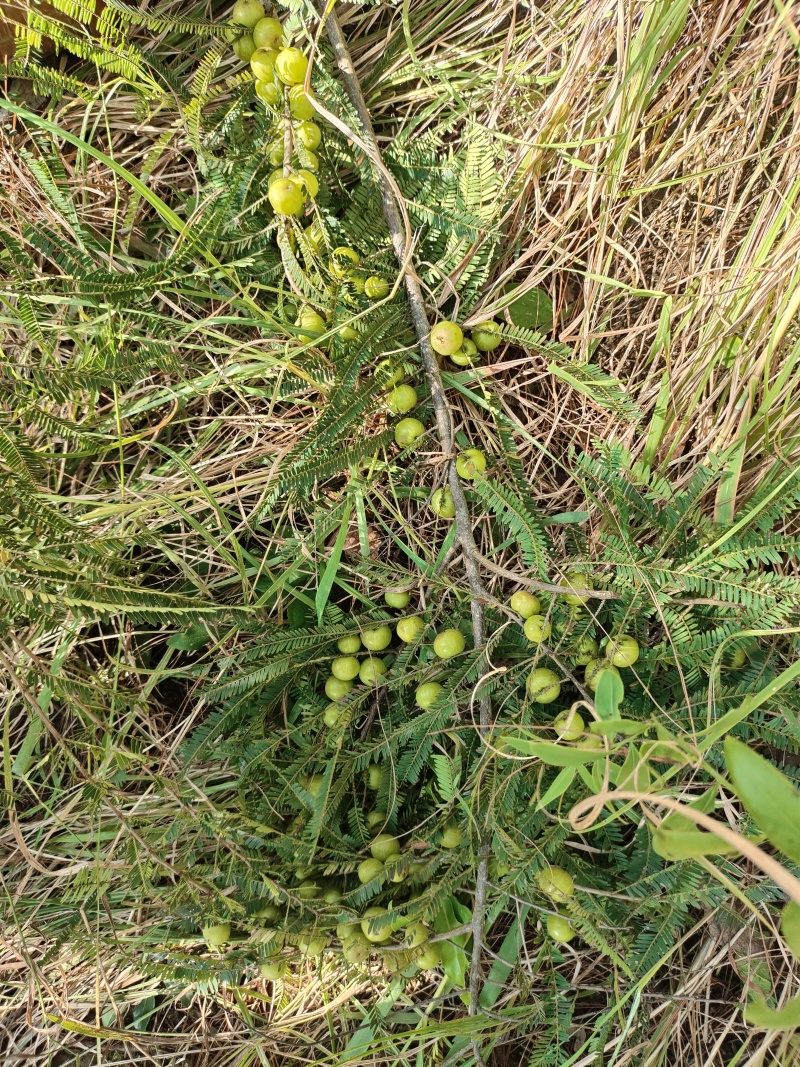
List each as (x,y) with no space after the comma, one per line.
(409,629)
(309,320)
(446,338)
(537,629)
(342,260)
(300,103)
(416,934)
(555,883)
(486,335)
(262,64)
(470,463)
(465,356)
(543,685)
(334,716)
(268,33)
(586,649)
(357,948)
(247,13)
(357,280)
(216,934)
(345,667)
(349,644)
(384,846)
(306,180)
(559,928)
(427,694)
(594,670)
(244,48)
(449,643)
(525,603)
(376,288)
(371,670)
(451,836)
(376,776)
(310,944)
(430,957)
(308,889)
(408,431)
(442,503)
(291,66)
(568,725)
(274,970)
(374,819)
(737,658)
(401,399)
(577,580)
(376,639)
(310,160)
(269,91)
(308,134)
(397,598)
(369,931)
(276,154)
(286,197)
(624,650)
(336,688)
(369,869)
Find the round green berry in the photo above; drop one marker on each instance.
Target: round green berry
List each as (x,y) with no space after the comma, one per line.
(446,338)
(585,650)
(559,928)
(336,688)
(216,934)
(291,66)
(268,33)
(409,629)
(449,643)
(568,725)
(427,694)
(555,883)
(247,13)
(471,463)
(486,336)
(342,260)
(383,846)
(543,685)
(349,644)
(371,670)
(593,671)
(525,603)
(577,580)
(408,431)
(369,869)
(466,355)
(624,650)
(442,503)
(376,288)
(300,103)
(537,629)
(308,134)
(262,64)
(270,92)
(397,598)
(345,668)
(451,836)
(244,48)
(376,639)
(401,399)
(286,198)
(274,970)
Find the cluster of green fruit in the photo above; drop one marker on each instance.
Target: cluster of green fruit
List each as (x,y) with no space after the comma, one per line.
(557,884)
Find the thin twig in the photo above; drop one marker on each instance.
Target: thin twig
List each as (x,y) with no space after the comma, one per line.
(444,425)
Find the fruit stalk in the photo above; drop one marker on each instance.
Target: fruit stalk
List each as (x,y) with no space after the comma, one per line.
(444,427)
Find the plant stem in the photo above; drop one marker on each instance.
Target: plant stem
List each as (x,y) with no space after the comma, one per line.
(444,425)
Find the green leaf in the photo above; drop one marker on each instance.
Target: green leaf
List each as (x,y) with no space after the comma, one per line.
(559,785)
(677,845)
(505,960)
(608,697)
(533,310)
(790,927)
(758,1013)
(332,566)
(768,796)
(190,640)
(554,754)
(566,517)
(454,958)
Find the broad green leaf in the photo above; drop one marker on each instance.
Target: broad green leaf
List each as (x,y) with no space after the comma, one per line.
(704,803)
(559,785)
(768,796)
(677,845)
(566,517)
(332,566)
(533,310)
(454,958)
(608,697)
(627,727)
(758,1013)
(554,754)
(790,927)
(190,640)
(505,961)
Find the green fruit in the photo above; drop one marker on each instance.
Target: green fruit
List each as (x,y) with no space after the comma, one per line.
(262,64)
(347,930)
(334,716)
(369,869)
(408,431)
(427,694)
(376,288)
(308,134)
(269,92)
(525,603)
(624,650)
(275,176)
(349,644)
(310,321)
(300,103)
(416,934)
(332,894)
(268,33)
(376,936)
(291,66)
(388,375)
(470,464)
(738,658)
(449,643)
(336,688)
(306,180)
(314,786)
(308,889)
(377,776)
(384,846)
(267,911)
(401,399)
(591,741)
(409,629)
(451,836)
(543,685)
(345,668)
(430,957)
(537,629)
(465,356)
(311,944)
(376,640)
(310,161)
(274,970)
(586,649)
(568,725)
(397,598)
(398,874)
(577,580)
(559,928)
(594,669)
(375,819)
(217,934)
(446,338)
(442,503)
(244,48)
(486,336)
(247,13)
(286,198)
(371,670)
(343,260)
(356,949)
(790,927)
(555,883)
(347,333)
